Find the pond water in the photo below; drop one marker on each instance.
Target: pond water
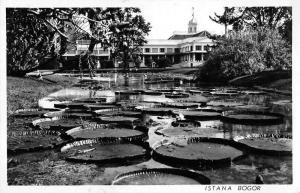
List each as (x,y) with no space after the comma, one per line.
(274,169)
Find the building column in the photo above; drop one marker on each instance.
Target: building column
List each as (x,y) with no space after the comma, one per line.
(143,61)
(172,58)
(202,56)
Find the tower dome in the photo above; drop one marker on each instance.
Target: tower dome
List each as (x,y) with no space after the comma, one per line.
(192,26)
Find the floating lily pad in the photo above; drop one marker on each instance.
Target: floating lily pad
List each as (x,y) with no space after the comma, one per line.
(26,141)
(270,146)
(158,111)
(177,95)
(252,117)
(222,93)
(200,91)
(187,132)
(160,176)
(186,123)
(152,92)
(194,99)
(198,153)
(120,113)
(253,107)
(199,115)
(29,113)
(119,120)
(104,151)
(106,132)
(56,123)
(252,92)
(224,104)
(93,107)
(183,105)
(91,100)
(71,105)
(128,92)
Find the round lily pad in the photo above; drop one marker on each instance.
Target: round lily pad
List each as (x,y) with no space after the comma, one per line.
(224,104)
(185,123)
(91,100)
(252,117)
(61,124)
(25,141)
(119,120)
(128,92)
(100,106)
(158,111)
(92,133)
(183,105)
(199,115)
(253,107)
(197,153)
(224,93)
(71,105)
(177,95)
(270,146)
(152,92)
(160,176)
(199,91)
(187,132)
(194,99)
(252,92)
(99,151)
(29,113)
(120,113)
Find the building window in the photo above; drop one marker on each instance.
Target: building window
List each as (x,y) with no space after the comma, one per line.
(169,50)
(177,50)
(191,48)
(147,50)
(205,48)
(162,50)
(198,47)
(154,50)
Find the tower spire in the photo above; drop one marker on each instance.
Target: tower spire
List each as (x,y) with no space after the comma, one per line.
(192,13)
(192,26)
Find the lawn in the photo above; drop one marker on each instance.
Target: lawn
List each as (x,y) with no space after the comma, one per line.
(25,92)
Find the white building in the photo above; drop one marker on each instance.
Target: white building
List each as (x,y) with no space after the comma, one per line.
(185,49)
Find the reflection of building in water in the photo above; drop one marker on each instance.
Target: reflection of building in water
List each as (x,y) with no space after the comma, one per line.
(182,48)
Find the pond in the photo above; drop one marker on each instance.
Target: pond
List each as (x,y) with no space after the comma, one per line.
(127,91)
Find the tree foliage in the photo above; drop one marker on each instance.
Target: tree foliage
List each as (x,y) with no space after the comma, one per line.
(247,52)
(29,40)
(129,29)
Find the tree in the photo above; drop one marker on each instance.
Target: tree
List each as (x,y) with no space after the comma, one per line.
(29,40)
(129,29)
(247,52)
(229,17)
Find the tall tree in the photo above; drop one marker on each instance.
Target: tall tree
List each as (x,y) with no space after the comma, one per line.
(129,30)
(229,17)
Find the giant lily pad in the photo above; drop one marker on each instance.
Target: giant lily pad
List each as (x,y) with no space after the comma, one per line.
(29,113)
(26,141)
(119,120)
(107,151)
(177,95)
(152,92)
(57,123)
(160,176)
(128,92)
(252,117)
(91,100)
(199,115)
(120,113)
(198,153)
(183,105)
(158,111)
(92,133)
(71,105)
(185,123)
(194,99)
(270,146)
(187,132)
(224,104)
(101,106)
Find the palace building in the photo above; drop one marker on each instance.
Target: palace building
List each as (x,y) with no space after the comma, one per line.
(183,49)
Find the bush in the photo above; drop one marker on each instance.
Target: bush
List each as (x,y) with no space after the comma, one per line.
(163,62)
(245,53)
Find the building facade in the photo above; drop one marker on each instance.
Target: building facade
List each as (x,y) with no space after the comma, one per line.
(183,49)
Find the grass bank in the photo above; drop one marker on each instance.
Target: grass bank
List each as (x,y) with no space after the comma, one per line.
(25,92)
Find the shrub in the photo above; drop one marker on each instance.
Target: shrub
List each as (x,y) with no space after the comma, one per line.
(245,53)
(163,62)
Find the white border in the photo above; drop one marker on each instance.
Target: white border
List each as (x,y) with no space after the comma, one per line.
(294,188)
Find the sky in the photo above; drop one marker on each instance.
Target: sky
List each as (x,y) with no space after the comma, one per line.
(167,18)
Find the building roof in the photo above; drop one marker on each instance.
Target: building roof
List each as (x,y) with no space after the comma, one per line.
(163,42)
(180,36)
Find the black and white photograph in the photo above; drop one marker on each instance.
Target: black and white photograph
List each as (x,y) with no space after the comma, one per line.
(194,93)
